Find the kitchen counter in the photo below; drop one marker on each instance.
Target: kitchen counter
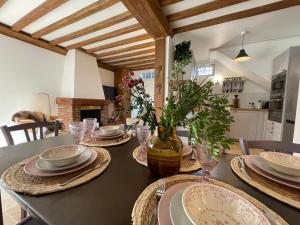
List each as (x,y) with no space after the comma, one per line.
(248,109)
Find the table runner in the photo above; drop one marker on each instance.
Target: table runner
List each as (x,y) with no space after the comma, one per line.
(288,195)
(144,205)
(15,179)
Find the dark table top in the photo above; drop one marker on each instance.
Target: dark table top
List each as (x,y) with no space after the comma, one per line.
(109,198)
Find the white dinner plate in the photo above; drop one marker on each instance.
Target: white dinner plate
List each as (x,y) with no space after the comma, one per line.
(44,165)
(177,213)
(99,134)
(260,163)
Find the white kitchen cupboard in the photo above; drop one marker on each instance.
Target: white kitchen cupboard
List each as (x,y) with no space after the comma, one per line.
(273,131)
(248,124)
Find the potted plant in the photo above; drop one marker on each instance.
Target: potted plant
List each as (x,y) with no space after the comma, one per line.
(190,105)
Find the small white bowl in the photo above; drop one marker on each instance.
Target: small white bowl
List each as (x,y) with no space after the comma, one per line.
(109,130)
(63,155)
(284,163)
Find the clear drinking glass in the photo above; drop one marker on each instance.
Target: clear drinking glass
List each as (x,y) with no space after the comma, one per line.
(90,126)
(142,135)
(77,129)
(207,160)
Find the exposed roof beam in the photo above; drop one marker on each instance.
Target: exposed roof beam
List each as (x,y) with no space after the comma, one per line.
(98,26)
(37,13)
(140,63)
(132,54)
(86,11)
(146,67)
(207,7)
(106,36)
(122,42)
(2,2)
(105,66)
(168,2)
(239,15)
(127,49)
(27,38)
(140,58)
(150,16)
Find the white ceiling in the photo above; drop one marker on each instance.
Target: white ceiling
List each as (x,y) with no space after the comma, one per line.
(274,25)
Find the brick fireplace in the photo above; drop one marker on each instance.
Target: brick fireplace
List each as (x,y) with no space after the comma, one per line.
(71,109)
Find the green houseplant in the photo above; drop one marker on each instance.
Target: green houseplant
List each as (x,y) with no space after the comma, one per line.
(189,104)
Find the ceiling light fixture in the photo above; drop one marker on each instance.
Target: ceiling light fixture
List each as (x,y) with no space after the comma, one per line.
(242,56)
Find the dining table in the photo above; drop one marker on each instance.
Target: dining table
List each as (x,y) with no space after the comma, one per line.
(109,198)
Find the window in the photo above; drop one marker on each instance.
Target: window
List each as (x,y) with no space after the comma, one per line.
(147,75)
(206,70)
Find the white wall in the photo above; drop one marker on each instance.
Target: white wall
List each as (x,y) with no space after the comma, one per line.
(262,54)
(107,77)
(26,70)
(81,77)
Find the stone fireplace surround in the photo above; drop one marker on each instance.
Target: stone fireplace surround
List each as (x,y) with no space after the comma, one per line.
(69,109)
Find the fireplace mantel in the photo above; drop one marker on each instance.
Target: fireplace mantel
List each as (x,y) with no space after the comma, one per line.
(81,101)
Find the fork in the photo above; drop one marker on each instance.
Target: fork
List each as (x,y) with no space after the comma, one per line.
(160,190)
(243,169)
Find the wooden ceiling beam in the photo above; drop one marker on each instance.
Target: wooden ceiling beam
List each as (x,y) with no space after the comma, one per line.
(146,67)
(132,54)
(105,66)
(127,49)
(122,42)
(27,38)
(164,3)
(204,8)
(86,11)
(150,16)
(136,64)
(37,13)
(95,27)
(239,15)
(106,36)
(140,58)
(2,2)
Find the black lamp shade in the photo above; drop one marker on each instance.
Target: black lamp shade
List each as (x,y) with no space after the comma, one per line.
(242,56)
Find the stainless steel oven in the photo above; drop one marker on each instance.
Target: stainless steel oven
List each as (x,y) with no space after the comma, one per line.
(277,97)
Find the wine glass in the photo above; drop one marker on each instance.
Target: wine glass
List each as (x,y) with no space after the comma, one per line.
(77,129)
(142,135)
(90,126)
(206,158)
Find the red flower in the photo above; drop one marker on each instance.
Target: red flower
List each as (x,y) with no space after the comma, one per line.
(131,73)
(140,80)
(130,85)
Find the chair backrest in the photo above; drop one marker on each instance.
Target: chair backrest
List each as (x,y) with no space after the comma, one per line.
(29,126)
(277,146)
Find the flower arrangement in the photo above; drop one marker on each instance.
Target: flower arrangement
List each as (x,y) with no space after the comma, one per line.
(189,104)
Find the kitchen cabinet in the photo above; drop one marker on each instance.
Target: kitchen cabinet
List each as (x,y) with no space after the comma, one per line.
(249,124)
(273,131)
(281,62)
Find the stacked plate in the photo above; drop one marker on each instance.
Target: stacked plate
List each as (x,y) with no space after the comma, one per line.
(60,160)
(193,203)
(109,132)
(279,167)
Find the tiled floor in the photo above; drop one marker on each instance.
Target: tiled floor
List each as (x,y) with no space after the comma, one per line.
(11,210)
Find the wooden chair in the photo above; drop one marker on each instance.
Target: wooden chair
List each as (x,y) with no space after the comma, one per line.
(277,146)
(29,126)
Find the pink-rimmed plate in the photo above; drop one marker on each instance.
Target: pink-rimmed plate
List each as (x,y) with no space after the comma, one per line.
(100,135)
(31,168)
(209,204)
(163,216)
(256,164)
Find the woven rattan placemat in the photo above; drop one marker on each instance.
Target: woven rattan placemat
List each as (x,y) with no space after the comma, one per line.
(107,142)
(146,202)
(15,179)
(186,166)
(278,191)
